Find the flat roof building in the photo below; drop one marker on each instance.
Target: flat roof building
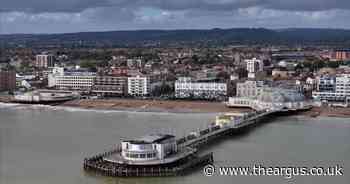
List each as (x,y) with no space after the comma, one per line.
(7,80)
(110,86)
(185,87)
(139,86)
(44,61)
(149,147)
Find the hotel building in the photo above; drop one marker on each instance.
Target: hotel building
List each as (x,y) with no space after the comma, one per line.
(44,61)
(139,86)
(110,86)
(78,80)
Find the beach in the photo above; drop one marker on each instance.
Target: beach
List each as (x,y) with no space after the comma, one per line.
(155,105)
(179,106)
(188,106)
(328,112)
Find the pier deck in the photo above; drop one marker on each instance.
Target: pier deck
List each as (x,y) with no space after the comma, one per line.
(111,163)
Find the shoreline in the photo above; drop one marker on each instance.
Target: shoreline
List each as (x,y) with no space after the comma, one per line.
(154,106)
(179,106)
(327,112)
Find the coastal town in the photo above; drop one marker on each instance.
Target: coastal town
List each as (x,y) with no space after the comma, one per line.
(174,92)
(180,79)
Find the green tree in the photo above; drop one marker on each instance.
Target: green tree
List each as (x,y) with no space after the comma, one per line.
(91,65)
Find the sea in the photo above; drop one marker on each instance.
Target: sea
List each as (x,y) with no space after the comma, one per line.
(46,145)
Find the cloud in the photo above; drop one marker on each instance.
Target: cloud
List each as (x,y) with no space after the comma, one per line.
(41,16)
(224,5)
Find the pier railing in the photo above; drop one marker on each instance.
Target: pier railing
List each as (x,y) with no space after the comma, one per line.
(211,133)
(99,165)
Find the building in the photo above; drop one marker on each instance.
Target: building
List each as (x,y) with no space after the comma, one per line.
(342,54)
(150,147)
(7,80)
(206,74)
(326,83)
(253,66)
(186,88)
(110,86)
(271,98)
(119,71)
(139,86)
(282,73)
(249,88)
(237,59)
(78,80)
(135,63)
(44,61)
(330,88)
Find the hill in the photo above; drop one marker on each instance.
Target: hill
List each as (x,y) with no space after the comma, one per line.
(180,37)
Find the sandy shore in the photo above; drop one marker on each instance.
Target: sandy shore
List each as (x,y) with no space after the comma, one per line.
(328,112)
(181,107)
(154,105)
(6,99)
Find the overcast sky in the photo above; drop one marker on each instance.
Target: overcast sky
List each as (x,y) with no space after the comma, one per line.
(58,16)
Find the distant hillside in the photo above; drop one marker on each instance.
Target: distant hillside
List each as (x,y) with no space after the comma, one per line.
(180,37)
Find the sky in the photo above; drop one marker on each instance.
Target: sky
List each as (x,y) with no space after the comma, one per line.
(62,16)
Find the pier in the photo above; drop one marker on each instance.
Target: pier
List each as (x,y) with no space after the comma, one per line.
(215,132)
(98,165)
(110,164)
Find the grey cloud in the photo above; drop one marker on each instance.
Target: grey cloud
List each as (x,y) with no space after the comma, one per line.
(39,6)
(48,16)
(212,5)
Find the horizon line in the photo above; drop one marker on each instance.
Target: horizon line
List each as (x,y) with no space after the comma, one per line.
(185,29)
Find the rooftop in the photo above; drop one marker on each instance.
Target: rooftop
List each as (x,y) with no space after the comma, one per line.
(152,138)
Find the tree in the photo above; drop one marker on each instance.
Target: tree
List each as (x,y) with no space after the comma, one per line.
(334,64)
(91,65)
(195,58)
(223,75)
(162,89)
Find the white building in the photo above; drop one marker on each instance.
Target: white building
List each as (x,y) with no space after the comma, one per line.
(150,147)
(44,61)
(343,85)
(312,83)
(253,66)
(326,83)
(271,99)
(185,88)
(139,86)
(249,88)
(333,88)
(137,62)
(71,80)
